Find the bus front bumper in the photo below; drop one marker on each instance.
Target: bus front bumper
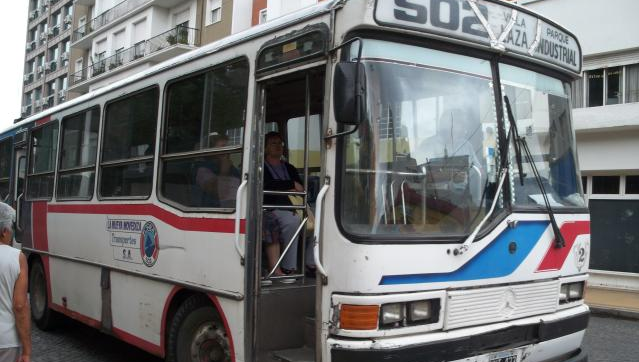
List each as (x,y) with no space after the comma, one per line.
(555,338)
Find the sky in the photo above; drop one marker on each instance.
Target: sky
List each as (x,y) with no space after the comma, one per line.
(13,26)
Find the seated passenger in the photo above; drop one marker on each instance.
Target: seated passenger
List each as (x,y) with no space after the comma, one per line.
(279,225)
(217,179)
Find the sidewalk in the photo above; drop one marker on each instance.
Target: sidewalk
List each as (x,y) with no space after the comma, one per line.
(611,301)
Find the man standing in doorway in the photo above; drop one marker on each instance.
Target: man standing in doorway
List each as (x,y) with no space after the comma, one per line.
(15,329)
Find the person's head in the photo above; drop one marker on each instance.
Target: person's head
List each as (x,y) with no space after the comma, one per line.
(274,147)
(219,140)
(7,217)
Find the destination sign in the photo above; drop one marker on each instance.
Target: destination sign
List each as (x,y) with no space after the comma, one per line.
(492,24)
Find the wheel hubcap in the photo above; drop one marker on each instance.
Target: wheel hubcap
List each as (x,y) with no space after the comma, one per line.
(210,344)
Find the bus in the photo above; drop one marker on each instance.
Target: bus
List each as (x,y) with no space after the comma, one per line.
(442,214)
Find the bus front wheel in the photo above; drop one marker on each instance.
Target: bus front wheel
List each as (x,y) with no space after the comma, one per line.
(42,315)
(197,334)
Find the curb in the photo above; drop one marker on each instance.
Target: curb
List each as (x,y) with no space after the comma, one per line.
(614,312)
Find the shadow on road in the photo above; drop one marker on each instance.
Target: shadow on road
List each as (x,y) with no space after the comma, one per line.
(73,341)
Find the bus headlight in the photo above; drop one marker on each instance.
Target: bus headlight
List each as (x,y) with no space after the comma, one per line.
(421,310)
(575,291)
(416,312)
(570,292)
(392,314)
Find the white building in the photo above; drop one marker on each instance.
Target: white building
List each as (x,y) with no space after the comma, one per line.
(113,38)
(606,118)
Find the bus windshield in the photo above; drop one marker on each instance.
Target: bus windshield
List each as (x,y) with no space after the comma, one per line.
(425,162)
(541,109)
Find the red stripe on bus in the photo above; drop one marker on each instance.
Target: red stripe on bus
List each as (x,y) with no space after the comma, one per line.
(40,238)
(39,225)
(182,223)
(77,316)
(43,120)
(227,328)
(118,333)
(555,258)
(138,342)
(167,302)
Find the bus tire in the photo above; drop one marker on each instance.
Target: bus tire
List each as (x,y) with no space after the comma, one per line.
(197,334)
(45,318)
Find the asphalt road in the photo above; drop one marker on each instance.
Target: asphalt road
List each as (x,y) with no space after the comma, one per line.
(607,340)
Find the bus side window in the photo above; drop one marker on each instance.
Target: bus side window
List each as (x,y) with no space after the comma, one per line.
(43,152)
(78,152)
(128,145)
(5,168)
(203,132)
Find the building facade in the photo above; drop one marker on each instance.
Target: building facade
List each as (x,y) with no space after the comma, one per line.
(606,118)
(266,10)
(47,54)
(76,46)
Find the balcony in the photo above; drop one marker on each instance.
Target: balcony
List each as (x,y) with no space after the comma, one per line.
(81,35)
(157,49)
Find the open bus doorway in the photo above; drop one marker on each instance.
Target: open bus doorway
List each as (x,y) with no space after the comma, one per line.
(292,110)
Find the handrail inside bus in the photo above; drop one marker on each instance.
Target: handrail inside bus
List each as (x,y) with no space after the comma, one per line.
(238,215)
(288,245)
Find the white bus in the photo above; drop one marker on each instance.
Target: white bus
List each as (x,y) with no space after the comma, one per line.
(433,141)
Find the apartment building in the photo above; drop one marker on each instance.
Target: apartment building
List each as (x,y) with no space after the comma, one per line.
(113,39)
(47,53)
(606,118)
(76,46)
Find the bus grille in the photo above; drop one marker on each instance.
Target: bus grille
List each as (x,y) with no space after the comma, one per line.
(490,305)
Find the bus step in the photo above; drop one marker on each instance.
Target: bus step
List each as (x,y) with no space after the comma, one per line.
(304,354)
(309,331)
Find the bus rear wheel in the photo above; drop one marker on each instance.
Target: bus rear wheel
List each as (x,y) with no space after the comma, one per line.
(42,315)
(197,334)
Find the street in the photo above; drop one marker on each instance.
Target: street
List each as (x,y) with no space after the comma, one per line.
(607,340)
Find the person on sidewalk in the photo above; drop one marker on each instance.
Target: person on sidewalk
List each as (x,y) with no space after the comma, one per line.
(15,327)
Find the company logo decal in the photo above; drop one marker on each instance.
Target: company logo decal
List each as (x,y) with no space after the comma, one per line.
(149,243)
(134,241)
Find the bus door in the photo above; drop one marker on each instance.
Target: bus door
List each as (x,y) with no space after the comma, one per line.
(291,113)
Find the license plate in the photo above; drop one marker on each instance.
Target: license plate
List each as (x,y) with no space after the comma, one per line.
(505,356)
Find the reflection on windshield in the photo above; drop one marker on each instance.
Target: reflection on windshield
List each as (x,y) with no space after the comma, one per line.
(542,113)
(425,159)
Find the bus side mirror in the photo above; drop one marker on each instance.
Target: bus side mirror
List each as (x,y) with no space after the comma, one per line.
(349,88)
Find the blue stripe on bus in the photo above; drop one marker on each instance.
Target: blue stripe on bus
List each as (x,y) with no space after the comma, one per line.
(493,262)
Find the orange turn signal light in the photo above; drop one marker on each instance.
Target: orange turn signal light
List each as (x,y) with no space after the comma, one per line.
(358,317)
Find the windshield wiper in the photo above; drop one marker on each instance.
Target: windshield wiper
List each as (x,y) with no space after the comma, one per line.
(520,142)
(503,170)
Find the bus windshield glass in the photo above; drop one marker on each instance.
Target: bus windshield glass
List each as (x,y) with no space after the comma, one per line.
(424,161)
(541,110)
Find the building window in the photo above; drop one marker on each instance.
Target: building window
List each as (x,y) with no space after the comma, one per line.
(632,83)
(262,17)
(632,185)
(608,185)
(607,86)
(216,11)
(595,87)
(613,85)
